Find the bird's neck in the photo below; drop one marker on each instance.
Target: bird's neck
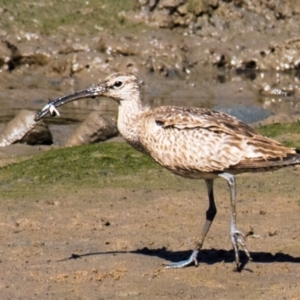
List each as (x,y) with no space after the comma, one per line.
(128,119)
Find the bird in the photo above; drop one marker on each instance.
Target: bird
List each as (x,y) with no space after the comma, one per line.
(191,142)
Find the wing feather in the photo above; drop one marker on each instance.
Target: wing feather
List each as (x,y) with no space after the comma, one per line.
(193,118)
(182,117)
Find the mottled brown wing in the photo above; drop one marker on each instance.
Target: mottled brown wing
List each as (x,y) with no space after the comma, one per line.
(181,117)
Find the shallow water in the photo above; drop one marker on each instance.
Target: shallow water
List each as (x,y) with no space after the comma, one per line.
(277,93)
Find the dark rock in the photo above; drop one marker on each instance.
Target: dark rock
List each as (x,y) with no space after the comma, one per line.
(23,129)
(38,135)
(95,128)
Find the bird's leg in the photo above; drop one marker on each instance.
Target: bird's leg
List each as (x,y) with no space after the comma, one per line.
(237,237)
(210,214)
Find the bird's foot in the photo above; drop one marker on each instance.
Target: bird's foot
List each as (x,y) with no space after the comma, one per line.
(238,238)
(184,263)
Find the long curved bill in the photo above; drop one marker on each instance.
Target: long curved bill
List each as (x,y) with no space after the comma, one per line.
(51,106)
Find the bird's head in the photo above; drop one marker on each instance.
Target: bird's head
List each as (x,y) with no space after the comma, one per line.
(118,86)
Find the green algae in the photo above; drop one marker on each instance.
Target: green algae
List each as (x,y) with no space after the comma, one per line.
(105,164)
(277,129)
(49,17)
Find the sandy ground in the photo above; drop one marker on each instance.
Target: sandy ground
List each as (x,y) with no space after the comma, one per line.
(89,243)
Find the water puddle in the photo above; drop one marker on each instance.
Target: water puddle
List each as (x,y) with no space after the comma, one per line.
(275,92)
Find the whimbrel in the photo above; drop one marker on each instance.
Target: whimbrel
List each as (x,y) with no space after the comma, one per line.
(191,142)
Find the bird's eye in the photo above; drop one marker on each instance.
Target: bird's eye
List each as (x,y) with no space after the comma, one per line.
(118,84)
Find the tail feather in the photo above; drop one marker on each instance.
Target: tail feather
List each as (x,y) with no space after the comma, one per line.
(276,163)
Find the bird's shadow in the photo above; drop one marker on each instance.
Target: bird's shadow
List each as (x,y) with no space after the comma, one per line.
(208,257)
